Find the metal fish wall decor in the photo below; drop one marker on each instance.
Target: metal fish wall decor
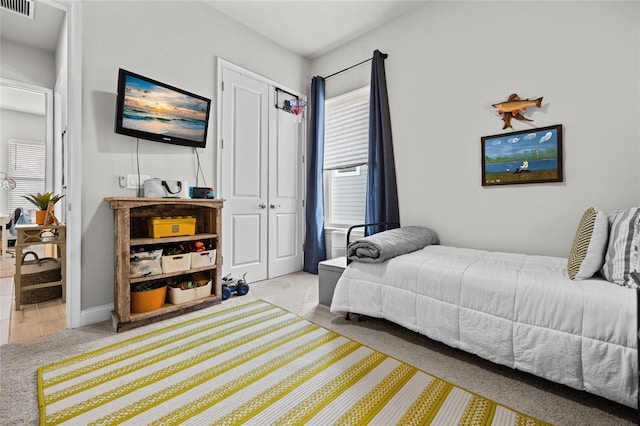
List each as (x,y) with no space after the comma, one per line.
(512,106)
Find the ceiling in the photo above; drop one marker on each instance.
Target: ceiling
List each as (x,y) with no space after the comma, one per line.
(309,28)
(312,28)
(40,32)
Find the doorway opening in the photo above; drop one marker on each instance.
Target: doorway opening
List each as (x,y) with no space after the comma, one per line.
(26,119)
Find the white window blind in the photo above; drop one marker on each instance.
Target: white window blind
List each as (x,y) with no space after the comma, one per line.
(346,130)
(345,157)
(346,195)
(27,168)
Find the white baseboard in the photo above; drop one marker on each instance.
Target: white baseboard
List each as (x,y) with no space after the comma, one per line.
(95,314)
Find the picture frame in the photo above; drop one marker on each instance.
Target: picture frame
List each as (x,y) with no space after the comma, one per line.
(526,156)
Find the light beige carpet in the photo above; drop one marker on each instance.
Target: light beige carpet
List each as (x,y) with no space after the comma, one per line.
(258,364)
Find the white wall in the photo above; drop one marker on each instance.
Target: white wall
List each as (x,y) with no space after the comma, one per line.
(173,42)
(449,61)
(27,64)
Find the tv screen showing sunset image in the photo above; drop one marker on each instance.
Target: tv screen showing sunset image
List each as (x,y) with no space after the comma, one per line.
(149,107)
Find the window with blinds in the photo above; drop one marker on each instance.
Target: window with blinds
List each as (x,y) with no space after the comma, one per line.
(345,157)
(27,167)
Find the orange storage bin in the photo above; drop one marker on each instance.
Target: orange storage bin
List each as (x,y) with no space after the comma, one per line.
(146,301)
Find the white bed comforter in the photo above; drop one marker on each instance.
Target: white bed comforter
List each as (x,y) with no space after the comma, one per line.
(517,310)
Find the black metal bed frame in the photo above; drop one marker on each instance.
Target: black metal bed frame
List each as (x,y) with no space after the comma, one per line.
(364,225)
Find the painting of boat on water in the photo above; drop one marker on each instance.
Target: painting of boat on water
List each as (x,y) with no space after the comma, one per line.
(531,156)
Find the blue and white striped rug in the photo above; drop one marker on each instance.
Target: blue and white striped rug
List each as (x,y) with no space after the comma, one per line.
(253,364)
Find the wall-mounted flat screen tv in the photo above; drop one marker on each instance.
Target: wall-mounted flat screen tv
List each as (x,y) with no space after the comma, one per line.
(148,109)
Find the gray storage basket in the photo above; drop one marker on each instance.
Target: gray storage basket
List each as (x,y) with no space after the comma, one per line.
(39,271)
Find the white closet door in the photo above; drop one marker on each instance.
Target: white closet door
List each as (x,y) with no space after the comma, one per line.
(244,178)
(285,189)
(261,180)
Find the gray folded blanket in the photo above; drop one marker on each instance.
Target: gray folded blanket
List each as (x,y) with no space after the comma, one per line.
(394,242)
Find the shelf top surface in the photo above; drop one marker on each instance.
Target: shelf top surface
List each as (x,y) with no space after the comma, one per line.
(33,226)
(117,202)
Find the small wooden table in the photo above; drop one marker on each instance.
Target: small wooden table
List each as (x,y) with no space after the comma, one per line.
(29,235)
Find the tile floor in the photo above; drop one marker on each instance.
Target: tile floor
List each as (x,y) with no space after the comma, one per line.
(32,322)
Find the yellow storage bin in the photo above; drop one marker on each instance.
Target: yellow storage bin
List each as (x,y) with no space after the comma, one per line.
(172,226)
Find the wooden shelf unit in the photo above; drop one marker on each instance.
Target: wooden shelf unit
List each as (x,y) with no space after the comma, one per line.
(131,215)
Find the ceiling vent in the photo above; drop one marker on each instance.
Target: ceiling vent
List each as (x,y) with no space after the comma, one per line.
(21,7)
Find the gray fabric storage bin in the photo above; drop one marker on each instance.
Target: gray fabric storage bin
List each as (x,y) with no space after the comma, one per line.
(329,272)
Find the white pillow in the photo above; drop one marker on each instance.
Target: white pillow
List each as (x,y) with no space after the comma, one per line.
(589,245)
(623,250)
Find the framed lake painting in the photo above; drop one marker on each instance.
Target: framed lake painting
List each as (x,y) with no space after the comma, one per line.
(530,156)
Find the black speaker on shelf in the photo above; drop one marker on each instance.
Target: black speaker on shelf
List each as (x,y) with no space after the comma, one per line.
(201,192)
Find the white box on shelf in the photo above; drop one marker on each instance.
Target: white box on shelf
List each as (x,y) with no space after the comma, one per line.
(179,262)
(204,291)
(178,296)
(200,259)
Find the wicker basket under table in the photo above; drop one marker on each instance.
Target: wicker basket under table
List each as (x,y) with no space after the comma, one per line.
(40,271)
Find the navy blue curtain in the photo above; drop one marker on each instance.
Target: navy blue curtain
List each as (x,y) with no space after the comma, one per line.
(382,190)
(314,245)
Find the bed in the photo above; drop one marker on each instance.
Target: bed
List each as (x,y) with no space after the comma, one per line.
(518,310)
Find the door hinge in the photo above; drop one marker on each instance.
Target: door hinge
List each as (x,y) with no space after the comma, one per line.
(221,143)
(303,159)
(223,86)
(302,203)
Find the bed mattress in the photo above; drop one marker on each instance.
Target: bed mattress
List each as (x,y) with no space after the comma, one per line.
(517,310)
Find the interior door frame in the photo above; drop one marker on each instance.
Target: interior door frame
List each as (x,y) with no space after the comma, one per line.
(48,115)
(75,316)
(222,63)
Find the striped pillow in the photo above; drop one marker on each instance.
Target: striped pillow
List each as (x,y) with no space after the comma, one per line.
(589,245)
(623,251)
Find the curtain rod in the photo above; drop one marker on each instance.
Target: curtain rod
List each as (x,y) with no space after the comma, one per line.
(384,55)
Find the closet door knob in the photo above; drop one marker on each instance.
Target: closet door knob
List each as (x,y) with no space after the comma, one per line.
(273,206)
(262,205)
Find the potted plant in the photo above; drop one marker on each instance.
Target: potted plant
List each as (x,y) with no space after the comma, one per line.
(41,201)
